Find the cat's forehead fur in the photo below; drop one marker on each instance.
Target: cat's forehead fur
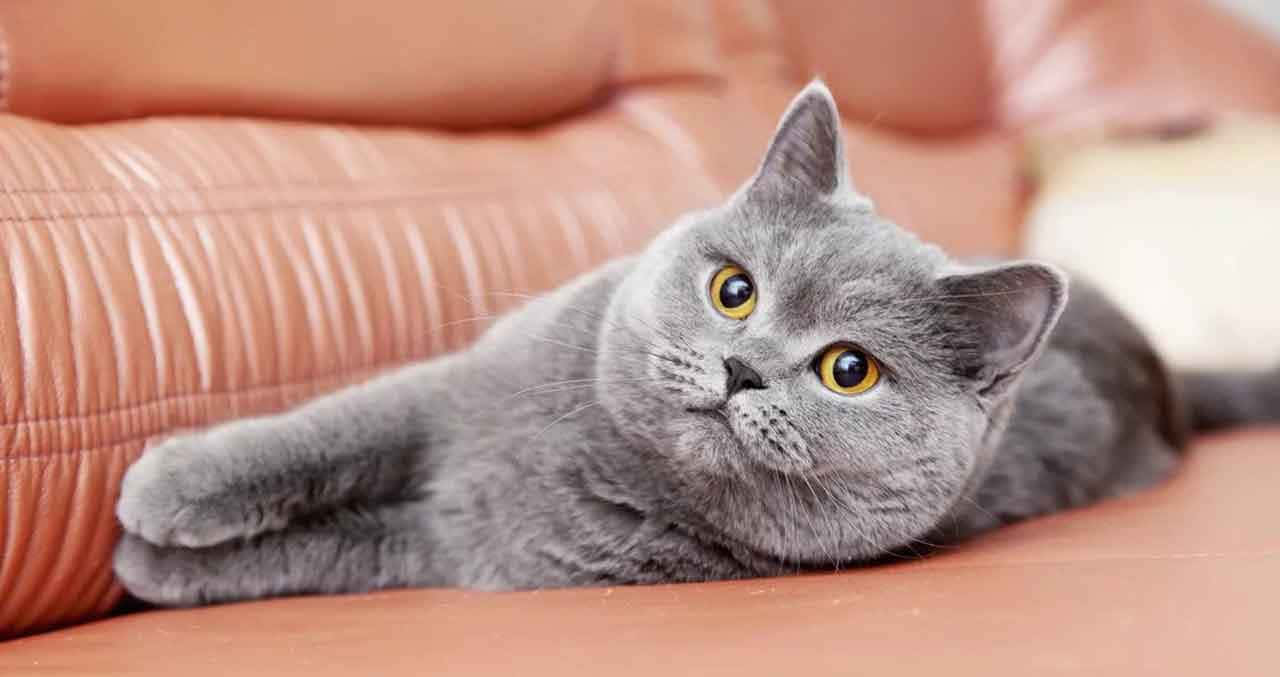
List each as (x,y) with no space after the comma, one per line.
(824,258)
(833,269)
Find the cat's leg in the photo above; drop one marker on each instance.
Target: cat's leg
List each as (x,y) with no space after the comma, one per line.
(344,551)
(365,444)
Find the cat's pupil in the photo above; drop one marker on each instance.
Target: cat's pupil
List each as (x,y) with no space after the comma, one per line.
(849,369)
(736,291)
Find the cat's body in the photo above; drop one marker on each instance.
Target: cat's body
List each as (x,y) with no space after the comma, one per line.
(593,437)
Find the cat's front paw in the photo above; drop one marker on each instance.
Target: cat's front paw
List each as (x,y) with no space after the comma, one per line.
(179,493)
(154,574)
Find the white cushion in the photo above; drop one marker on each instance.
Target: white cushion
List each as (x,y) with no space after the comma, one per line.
(1184,234)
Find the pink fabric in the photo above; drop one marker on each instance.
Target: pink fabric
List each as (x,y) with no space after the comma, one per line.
(959,67)
(1126,64)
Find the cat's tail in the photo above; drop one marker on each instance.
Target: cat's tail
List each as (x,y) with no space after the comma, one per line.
(1224,399)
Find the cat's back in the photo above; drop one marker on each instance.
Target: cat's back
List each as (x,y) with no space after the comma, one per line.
(1095,415)
(1098,403)
(1117,359)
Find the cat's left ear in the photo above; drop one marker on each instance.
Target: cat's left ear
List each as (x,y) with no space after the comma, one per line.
(806,156)
(999,319)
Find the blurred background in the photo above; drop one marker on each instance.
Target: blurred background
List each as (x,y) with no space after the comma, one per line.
(1265,12)
(214,209)
(1107,135)
(985,125)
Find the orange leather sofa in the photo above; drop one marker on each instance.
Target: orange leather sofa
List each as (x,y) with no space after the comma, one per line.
(209,210)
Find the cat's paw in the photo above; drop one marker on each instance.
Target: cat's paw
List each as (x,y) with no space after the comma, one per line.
(177,493)
(154,574)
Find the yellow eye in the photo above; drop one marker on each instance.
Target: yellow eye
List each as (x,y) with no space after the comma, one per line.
(847,370)
(733,293)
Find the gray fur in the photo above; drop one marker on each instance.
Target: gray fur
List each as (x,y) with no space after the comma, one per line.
(587,439)
(1225,399)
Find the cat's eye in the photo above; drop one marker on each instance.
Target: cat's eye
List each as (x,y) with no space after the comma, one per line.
(847,370)
(733,293)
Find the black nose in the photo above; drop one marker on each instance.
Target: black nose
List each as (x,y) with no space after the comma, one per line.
(741,376)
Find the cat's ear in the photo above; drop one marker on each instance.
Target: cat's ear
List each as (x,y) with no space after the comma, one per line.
(806,156)
(999,319)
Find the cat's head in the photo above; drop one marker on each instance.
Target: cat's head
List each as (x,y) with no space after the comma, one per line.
(821,382)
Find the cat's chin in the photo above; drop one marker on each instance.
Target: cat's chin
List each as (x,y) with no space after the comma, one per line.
(786,510)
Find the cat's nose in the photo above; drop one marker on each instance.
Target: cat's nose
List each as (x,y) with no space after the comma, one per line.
(741,376)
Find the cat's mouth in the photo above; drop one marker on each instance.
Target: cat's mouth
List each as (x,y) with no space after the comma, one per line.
(719,418)
(715,414)
(716,424)
(769,445)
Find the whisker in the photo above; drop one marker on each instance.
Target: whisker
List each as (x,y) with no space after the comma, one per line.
(852,513)
(988,513)
(433,331)
(646,343)
(583,311)
(594,351)
(831,555)
(561,418)
(902,508)
(915,553)
(939,546)
(568,381)
(563,344)
(579,386)
(603,319)
(476,318)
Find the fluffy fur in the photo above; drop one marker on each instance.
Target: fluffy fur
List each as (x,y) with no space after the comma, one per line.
(590,439)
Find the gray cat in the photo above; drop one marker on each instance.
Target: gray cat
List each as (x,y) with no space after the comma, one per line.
(786,382)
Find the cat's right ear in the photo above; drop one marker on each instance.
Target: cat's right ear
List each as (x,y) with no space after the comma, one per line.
(806,156)
(999,319)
